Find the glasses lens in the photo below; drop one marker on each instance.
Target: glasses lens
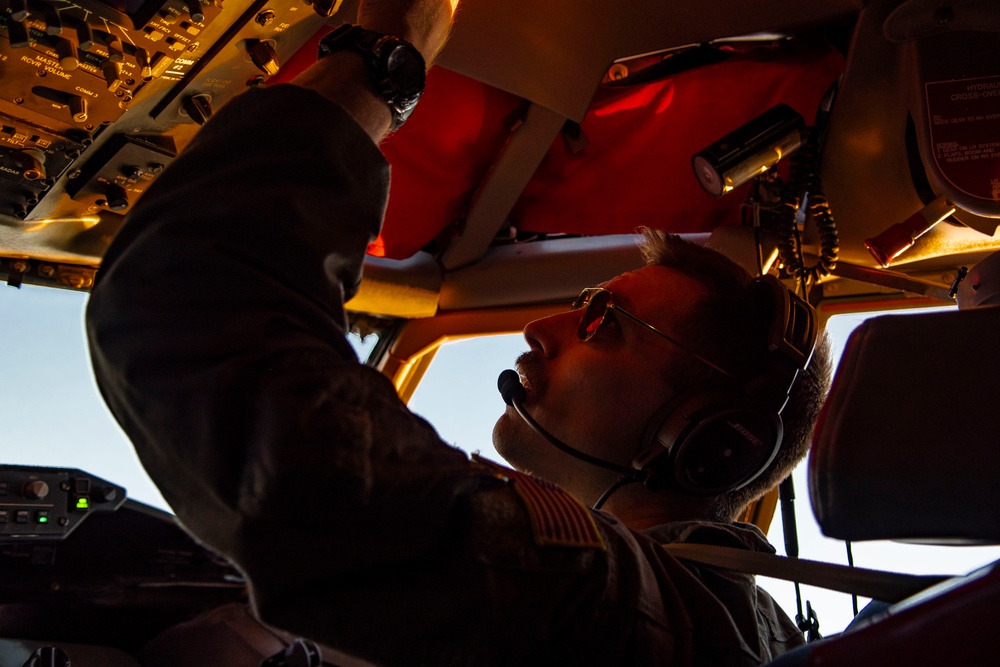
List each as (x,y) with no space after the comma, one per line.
(596,302)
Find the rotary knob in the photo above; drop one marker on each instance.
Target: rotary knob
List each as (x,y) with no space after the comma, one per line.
(263,55)
(32,164)
(66,50)
(35,490)
(84,34)
(197,107)
(326,8)
(195,11)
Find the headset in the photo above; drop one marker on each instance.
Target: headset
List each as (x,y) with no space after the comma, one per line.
(709,442)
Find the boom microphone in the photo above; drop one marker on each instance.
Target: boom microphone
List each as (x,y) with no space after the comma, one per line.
(510,387)
(514,393)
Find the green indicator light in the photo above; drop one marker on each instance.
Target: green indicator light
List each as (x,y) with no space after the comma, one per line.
(43,519)
(82,504)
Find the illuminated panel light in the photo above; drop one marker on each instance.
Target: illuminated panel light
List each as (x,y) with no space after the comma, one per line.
(87,221)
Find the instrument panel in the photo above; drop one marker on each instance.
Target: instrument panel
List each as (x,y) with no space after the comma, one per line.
(97,97)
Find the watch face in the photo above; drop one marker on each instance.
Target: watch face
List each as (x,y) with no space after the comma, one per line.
(405,71)
(395,66)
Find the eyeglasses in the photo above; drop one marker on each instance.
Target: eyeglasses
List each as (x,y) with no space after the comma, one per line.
(597,301)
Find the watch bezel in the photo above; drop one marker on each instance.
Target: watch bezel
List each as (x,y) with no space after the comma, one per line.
(401,96)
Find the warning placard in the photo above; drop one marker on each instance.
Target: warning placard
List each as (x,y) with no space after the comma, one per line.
(964,121)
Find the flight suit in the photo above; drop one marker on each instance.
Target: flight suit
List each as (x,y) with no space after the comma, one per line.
(217,328)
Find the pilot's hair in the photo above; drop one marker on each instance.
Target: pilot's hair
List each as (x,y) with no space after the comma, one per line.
(730,328)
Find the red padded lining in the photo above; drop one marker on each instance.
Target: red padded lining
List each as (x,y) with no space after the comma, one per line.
(635,169)
(957,627)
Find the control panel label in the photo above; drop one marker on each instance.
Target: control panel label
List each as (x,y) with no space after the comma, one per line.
(964,121)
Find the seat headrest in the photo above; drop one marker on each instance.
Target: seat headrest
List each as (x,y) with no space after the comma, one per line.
(908,443)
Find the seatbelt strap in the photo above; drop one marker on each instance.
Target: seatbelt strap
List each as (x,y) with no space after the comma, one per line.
(876,584)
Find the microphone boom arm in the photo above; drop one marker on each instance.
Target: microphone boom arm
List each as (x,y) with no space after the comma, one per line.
(513,393)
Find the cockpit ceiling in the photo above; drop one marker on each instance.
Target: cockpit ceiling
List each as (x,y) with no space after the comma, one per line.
(626,164)
(540,120)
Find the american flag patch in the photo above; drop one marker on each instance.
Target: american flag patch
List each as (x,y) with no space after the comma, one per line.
(557,518)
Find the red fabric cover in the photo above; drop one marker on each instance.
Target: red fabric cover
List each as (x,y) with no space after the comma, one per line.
(957,627)
(635,169)
(440,157)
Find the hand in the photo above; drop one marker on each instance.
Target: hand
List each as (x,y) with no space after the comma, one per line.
(423,23)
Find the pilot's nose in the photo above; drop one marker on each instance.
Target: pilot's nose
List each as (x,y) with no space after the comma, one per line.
(549,334)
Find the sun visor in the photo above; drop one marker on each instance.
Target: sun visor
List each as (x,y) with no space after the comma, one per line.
(906,447)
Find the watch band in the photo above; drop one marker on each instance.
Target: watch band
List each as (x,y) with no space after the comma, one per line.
(396,67)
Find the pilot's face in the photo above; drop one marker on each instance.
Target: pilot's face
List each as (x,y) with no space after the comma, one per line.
(599,395)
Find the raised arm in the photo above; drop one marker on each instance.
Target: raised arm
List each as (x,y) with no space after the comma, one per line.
(216,328)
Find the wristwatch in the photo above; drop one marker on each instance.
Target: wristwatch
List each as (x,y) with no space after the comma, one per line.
(396,66)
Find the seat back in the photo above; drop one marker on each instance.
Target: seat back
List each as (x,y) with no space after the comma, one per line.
(906,447)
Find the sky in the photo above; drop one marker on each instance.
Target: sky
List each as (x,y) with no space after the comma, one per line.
(51,415)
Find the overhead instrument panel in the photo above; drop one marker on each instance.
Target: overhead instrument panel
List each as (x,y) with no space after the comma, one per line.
(97,97)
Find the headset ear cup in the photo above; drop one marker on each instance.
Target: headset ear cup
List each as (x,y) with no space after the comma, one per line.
(655,460)
(713,444)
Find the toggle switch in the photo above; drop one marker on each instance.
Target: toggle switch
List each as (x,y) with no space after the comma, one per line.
(19,10)
(142,60)
(18,35)
(77,105)
(77,108)
(84,34)
(114,48)
(50,16)
(112,74)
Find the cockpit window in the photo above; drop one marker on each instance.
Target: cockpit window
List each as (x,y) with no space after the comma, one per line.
(50,411)
(363,346)
(369,335)
(51,415)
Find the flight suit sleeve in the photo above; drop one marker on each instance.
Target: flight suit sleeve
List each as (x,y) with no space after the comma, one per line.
(216,331)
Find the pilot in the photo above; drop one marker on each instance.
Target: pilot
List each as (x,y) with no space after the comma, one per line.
(216,329)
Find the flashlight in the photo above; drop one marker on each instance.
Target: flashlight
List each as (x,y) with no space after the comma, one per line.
(751,150)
